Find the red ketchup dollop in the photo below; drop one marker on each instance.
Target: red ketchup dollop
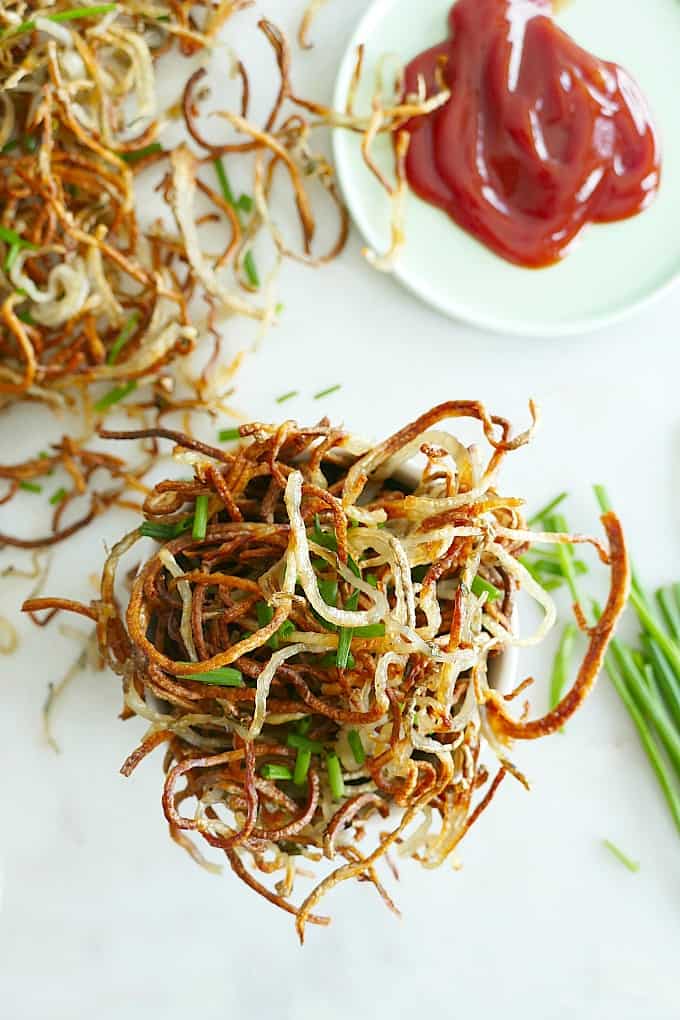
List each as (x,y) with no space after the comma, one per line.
(538,139)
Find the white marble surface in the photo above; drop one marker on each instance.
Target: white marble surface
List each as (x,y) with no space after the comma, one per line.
(103,916)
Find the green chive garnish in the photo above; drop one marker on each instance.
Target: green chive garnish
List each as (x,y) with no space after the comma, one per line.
(562,664)
(224,677)
(58,497)
(327,392)
(200,519)
(344,644)
(285,630)
(287,396)
(303,726)
(115,395)
(30,486)
(12,256)
(372,630)
(346,634)
(129,326)
(245,204)
(276,772)
(15,240)
(328,591)
(70,15)
(547,510)
(227,435)
(163,531)
(302,743)
(335,776)
(136,154)
(625,860)
(227,193)
(330,661)
(251,270)
(265,613)
(356,747)
(31,144)
(302,763)
(479,586)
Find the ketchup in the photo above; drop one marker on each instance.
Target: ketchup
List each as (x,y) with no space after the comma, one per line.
(538,139)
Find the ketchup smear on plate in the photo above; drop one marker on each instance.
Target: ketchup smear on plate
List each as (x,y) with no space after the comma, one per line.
(538,139)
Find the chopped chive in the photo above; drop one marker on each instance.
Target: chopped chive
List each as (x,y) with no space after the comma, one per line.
(162,531)
(163,17)
(285,630)
(479,586)
(302,763)
(418,573)
(335,776)
(227,435)
(552,568)
(344,645)
(276,772)
(251,269)
(323,538)
(279,307)
(200,526)
(562,664)
(115,395)
(328,591)
(372,580)
(372,630)
(136,154)
(26,317)
(30,486)
(129,326)
(304,725)
(58,497)
(70,15)
(356,747)
(224,183)
(547,510)
(31,144)
(227,676)
(245,204)
(327,392)
(265,613)
(303,743)
(557,523)
(9,146)
(11,237)
(83,12)
(12,256)
(330,661)
(625,860)
(287,396)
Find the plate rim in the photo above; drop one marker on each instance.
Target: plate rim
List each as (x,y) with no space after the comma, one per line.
(453,309)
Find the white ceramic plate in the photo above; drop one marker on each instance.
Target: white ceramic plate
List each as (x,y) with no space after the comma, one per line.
(615,269)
